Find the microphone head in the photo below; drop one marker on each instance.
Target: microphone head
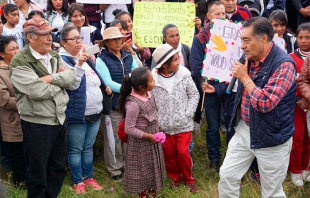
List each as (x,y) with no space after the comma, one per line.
(242,60)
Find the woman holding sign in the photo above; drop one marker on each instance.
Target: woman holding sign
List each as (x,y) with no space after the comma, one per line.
(144,52)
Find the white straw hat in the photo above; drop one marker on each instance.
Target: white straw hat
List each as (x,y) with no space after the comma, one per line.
(162,53)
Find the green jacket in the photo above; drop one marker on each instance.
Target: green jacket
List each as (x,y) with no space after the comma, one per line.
(37,101)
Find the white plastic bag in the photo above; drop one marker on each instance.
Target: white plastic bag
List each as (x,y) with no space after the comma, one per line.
(110,135)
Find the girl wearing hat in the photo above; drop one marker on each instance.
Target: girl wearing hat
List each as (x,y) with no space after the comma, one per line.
(113,64)
(176,98)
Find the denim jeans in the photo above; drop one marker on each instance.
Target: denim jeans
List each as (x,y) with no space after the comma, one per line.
(45,151)
(81,138)
(213,115)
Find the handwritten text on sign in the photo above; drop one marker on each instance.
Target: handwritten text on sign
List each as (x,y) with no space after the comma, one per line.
(150,18)
(223,50)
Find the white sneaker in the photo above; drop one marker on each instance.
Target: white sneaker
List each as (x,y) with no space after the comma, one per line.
(297,179)
(197,127)
(305,175)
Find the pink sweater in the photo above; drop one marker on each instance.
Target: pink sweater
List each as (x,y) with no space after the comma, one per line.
(132,121)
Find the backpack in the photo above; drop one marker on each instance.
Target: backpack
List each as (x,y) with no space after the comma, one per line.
(121,131)
(253,5)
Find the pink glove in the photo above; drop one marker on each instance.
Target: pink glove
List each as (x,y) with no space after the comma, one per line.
(160,137)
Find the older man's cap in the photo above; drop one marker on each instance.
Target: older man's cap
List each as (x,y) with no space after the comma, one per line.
(38,26)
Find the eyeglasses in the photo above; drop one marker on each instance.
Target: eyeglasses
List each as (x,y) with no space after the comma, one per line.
(75,39)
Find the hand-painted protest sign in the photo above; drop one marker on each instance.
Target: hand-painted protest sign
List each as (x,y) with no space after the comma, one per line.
(150,18)
(223,50)
(280,42)
(104,1)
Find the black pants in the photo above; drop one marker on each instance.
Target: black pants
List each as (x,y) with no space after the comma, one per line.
(45,150)
(18,163)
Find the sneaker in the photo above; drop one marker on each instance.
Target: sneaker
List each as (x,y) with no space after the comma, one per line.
(305,175)
(215,165)
(192,188)
(297,179)
(117,178)
(197,127)
(79,188)
(91,182)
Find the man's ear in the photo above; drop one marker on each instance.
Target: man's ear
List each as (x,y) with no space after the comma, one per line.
(264,38)
(208,16)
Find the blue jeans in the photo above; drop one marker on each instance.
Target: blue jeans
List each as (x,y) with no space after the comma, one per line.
(213,116)
(81,138)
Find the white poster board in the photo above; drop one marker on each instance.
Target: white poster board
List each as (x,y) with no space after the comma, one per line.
(104,1)
(223,50)
(41,3)
(280,42)
(85,33)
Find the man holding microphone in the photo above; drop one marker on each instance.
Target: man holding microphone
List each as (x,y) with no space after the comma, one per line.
(263,113)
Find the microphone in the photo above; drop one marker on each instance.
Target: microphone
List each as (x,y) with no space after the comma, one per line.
(233,79)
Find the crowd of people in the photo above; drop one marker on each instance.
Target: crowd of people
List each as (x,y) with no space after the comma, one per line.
(55,95)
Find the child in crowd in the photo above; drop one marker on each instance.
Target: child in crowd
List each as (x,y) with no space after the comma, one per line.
(279,21)
(35,14)
(144,161)
(299,159)
(176,98)
(10,19)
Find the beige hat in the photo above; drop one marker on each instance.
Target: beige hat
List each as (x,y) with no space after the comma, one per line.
(112,33)
(162,53)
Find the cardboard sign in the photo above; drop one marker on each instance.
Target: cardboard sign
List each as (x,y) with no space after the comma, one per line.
(104,1)
(41,3)
(223,50)
(150,18)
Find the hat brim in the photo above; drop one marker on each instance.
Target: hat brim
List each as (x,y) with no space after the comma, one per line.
(35,30)
(165,59)
(52,29)
(114,37)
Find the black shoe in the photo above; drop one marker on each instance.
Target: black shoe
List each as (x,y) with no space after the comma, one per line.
(117,178)
(215,165)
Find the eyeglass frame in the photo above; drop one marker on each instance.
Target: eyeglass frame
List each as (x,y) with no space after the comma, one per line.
(76,39)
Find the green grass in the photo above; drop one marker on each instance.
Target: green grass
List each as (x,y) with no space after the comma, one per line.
(206,179)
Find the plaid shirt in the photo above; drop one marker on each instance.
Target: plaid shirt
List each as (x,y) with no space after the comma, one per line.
(267,98)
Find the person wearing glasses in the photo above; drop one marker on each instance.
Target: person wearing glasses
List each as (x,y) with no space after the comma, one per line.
(40,79)
(83,110)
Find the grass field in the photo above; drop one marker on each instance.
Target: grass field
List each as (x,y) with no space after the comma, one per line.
(206,180)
